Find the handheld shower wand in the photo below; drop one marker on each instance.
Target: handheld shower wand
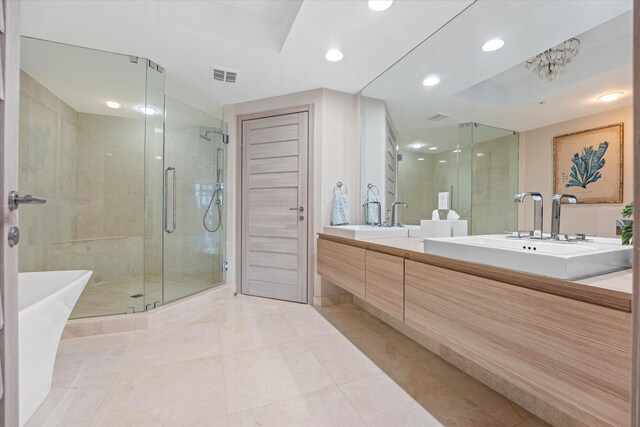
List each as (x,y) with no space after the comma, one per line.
(217,194)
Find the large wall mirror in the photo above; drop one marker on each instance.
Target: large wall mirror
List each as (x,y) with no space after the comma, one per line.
(473,113)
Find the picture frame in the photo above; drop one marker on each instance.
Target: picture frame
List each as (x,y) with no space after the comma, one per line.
(589,164)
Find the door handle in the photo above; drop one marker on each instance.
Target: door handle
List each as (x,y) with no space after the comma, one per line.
(166,200)
(300,209)
(15,200)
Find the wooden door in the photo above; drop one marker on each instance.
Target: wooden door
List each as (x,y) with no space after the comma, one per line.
(9,94)
(274,206)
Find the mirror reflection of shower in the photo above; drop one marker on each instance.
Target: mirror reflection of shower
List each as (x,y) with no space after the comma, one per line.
(217,197)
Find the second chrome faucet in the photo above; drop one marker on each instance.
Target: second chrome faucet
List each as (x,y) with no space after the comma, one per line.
(393,223)
(538,212)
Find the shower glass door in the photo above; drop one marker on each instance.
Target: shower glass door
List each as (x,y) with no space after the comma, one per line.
(194,174)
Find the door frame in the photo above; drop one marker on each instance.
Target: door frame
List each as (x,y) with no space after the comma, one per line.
(9,126)
(635,302)
(309,109)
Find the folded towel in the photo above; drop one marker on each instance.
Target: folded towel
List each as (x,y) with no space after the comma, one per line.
(340,211)
(372,210)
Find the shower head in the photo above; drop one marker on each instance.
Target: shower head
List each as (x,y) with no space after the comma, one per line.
(205,136)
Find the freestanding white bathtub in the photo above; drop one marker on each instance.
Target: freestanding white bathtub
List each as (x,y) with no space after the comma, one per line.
(46,300)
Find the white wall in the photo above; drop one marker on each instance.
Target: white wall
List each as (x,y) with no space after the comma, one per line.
(335,157)
(538,175)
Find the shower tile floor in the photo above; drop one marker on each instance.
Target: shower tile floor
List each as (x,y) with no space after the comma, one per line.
(114,297)
(243,361)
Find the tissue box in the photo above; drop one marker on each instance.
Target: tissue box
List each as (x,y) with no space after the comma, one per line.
(443,228)
(459,227)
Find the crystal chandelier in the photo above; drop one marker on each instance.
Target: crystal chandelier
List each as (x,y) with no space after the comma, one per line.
(551,63)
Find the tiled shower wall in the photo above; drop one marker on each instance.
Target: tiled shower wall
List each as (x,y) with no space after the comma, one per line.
(494,210)
(193,251)
(91,169)
(474,176)
(416,187)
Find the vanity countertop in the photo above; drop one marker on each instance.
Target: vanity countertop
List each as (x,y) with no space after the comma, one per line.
(617,281)
(610,290)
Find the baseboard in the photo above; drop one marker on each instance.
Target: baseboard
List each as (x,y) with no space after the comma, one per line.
(332,300)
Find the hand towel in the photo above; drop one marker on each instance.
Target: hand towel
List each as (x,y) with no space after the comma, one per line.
(340,211)
(372,210)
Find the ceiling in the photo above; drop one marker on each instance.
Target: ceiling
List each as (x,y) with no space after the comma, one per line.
(495,88)
(277,47)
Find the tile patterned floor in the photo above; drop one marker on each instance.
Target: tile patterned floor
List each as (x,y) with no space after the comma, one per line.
(243,361)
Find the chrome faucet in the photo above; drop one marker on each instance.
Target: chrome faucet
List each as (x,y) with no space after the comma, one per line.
(393,212)
(366,213)
(537,211)
(555,212)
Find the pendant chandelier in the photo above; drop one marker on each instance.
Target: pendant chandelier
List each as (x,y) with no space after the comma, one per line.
(551,63)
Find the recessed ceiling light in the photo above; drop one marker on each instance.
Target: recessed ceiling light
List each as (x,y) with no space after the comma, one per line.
(479,154)
(420,158)
(492,45)
(608,97)
(457,151)
(433,148)
(113,104)
(431,81)
(442,161)
(416,145)
(157,130)
(147,110)
(333,55)
(158,157)
(379,5)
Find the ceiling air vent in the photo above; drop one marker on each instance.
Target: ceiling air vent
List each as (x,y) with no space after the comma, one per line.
(221,75)
(438,116)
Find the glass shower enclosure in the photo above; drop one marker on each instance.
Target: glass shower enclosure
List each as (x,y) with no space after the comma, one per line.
(134,179)
(474,157)
(193,193)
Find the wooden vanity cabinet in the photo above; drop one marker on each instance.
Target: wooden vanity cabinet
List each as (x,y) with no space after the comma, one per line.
(385,283)
(572,355)
(342,265)
(544,339)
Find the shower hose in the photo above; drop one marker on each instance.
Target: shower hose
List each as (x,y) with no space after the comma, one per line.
(218,202)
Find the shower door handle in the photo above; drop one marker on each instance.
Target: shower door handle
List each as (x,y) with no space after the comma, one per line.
(165,215)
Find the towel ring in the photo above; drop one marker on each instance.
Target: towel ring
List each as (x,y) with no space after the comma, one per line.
(340,186)
(371,188)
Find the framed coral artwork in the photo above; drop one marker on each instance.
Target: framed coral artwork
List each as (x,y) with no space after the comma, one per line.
(588,164)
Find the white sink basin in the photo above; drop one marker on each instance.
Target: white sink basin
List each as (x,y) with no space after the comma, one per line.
(414,231)
(359,232)
(562,260)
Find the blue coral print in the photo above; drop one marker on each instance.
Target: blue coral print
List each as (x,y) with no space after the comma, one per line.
(586,166)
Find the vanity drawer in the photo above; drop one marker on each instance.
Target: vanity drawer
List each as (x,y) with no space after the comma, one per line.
(385,283)
(342,265)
